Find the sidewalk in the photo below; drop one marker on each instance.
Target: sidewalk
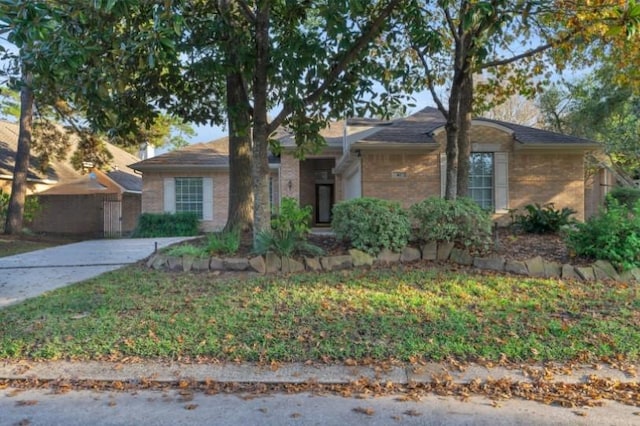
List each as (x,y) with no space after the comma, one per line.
(293,373)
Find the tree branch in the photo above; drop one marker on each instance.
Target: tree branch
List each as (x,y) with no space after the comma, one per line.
(528,53)
(246,11)
(430,83)
(341,63)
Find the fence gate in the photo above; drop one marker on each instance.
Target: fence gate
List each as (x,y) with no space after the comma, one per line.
(112,218)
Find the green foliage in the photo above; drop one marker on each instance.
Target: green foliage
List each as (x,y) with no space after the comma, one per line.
(624,195)
(613,235)
(31,208)
(225,242)
(187,250)
(371,224)
(182,224)
(460,221)
(288,233)
(544,219)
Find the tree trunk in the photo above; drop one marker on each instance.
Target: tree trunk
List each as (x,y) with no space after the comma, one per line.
(260,168)
(464,133)
(240,183)
(15,212)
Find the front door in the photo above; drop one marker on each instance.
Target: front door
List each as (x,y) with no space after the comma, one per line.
(324,203)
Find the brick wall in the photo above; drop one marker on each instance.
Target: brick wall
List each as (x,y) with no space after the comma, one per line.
(419,176)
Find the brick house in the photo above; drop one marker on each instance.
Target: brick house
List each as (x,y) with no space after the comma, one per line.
(403,160)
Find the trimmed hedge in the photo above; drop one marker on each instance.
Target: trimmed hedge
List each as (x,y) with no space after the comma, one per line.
(371,224)
(184,224)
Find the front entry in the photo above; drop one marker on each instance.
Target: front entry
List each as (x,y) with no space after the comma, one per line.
(324,203)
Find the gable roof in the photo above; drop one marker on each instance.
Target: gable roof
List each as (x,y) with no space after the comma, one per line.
(420,128)
(60,171)
(205,155)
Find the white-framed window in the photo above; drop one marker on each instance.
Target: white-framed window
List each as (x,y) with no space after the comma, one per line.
(189,194)
(481,179)
(494,195)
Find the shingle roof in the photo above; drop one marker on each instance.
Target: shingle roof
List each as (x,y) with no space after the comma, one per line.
(58,171)
(129,182)
(207,154)
(419,128)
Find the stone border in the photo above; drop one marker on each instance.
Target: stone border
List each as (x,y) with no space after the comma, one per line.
(536,267)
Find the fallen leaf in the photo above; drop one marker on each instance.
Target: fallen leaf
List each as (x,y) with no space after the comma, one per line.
(366,411)
(412,413)
(191,406)
(26,403)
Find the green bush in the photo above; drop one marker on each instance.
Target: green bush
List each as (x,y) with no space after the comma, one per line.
(31,208)
(613,235)
(288,233)
(544,219)
(625,196)
(187,250)
(461,221)
(182,224)
(371,224)
(225,242)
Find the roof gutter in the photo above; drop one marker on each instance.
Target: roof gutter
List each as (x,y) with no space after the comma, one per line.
(557,147)
(189,167)
(390,146)
(44,181)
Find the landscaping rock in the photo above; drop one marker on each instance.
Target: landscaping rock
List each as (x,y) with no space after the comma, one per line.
(159,261)
(334,263)
(606,270)
(569,272)
(360,258)
(273,263)
(585,273)
(430,251)
(493,263)
(312,264)
(630,275)
(152,259)
(410,254)
(258,265)
(290,265)
(187,263)
(535,267)
(216,264)
(236,264)
(461,257)
(444,250)
(386,257)
(552,269)
(174,263)
(516,267)
(200,264)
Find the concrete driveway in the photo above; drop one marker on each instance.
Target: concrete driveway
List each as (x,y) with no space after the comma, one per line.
(30,274)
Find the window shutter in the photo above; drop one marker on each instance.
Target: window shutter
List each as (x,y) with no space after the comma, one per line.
(501,181)
(169,195)
(207,198)
(443,174)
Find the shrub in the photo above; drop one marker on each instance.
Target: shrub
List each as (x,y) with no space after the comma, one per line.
(31,208)
(225,242)
(182,224)
(288,233)
(544,219)
(460,221)
(371,224)
(613,235)
(187,250)
(625,196)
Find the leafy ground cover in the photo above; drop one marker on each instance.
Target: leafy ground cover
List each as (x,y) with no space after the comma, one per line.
(406,314)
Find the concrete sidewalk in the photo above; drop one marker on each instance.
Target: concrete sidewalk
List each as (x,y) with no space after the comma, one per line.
(31,274)
(294,373)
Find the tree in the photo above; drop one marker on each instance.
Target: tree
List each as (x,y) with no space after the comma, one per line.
(494,38)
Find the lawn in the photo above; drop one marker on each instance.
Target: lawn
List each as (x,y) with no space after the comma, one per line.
(408,315)
(10,246)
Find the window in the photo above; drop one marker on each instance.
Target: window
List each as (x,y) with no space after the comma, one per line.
(189,195)
(481,179)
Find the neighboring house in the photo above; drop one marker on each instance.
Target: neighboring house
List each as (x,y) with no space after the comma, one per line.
(403,160)
(98,204)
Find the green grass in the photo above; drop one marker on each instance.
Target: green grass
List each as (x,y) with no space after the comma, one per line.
(375,315)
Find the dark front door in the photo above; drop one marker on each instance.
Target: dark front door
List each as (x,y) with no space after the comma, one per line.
(324,203)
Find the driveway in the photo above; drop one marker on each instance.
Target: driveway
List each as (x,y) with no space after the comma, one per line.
(30,274)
